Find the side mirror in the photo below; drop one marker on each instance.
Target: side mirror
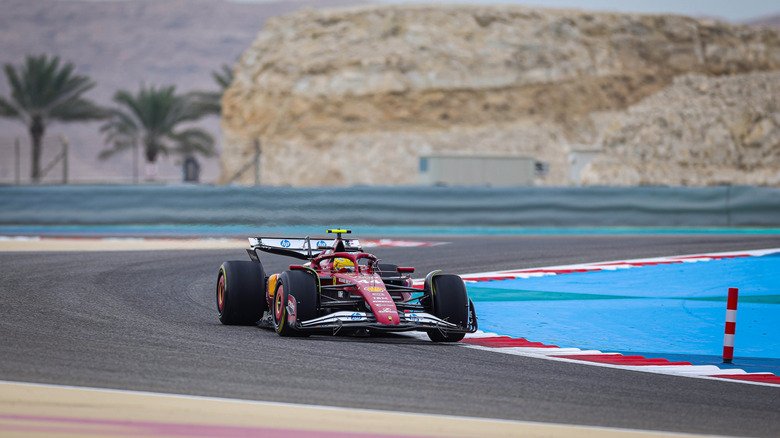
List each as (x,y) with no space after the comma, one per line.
(405,270)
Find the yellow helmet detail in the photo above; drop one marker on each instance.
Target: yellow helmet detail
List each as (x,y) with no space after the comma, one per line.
(340,263)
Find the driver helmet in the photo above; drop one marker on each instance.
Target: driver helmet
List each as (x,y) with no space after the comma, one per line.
(341,263)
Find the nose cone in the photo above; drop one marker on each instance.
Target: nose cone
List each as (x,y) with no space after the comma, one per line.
(387,315)
(380,302)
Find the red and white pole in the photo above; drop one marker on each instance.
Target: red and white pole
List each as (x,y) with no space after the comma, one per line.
(731,325)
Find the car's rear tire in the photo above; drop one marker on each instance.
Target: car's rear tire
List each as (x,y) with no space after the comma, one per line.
(447,299)
(300,287)
(241,292)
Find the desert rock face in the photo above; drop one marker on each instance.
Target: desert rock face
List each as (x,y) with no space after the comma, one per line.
(355,96)
(700,131)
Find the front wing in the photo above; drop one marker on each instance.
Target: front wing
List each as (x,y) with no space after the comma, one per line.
(409,321)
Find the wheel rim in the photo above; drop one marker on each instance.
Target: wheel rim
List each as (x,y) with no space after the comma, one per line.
(221,294)
(279,304)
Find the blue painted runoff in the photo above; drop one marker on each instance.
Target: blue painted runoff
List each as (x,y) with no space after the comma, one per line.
(672,311)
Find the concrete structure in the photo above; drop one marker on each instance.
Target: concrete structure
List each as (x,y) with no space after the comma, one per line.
(579,157)
(476,170)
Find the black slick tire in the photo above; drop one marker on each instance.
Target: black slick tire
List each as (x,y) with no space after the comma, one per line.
(241,292)
(447,299)
(300,287)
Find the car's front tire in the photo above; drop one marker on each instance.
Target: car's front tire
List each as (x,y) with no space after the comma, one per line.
(298,289)
(241,292)
(447,299)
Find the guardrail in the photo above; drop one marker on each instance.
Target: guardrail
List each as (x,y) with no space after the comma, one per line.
(458,206)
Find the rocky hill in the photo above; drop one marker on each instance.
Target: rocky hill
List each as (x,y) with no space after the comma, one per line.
(120,45)
(700,131)
(356,95)
(768,21)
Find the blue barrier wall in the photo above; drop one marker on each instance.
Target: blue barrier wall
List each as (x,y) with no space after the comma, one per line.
(453,206)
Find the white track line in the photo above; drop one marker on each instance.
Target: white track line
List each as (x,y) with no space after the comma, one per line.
(697,371)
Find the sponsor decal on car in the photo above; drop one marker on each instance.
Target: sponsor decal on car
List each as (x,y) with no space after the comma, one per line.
(291,310)
(369,280)
(380,297)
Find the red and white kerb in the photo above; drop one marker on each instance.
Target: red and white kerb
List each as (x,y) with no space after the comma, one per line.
(731,325)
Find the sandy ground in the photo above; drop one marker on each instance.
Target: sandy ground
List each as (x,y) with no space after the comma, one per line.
(115,244)
(31,410)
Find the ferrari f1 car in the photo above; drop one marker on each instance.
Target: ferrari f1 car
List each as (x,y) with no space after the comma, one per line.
(340,288)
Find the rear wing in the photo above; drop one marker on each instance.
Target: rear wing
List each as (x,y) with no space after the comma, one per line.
(302,248)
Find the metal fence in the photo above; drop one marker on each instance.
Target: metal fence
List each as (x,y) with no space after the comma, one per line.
(60,164)
(16,161)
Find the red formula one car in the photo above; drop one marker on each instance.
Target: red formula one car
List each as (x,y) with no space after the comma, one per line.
(340,288)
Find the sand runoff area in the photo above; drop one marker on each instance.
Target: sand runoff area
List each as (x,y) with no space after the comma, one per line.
(35,243)
(34,410)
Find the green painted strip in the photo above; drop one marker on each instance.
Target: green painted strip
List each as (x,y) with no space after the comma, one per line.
(755,299)
(477,293)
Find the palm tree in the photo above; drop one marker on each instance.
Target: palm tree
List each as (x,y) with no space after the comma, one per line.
(42,92)
(151,117)
(210,102)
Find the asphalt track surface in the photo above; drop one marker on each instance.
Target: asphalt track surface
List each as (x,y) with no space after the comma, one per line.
(146,320)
